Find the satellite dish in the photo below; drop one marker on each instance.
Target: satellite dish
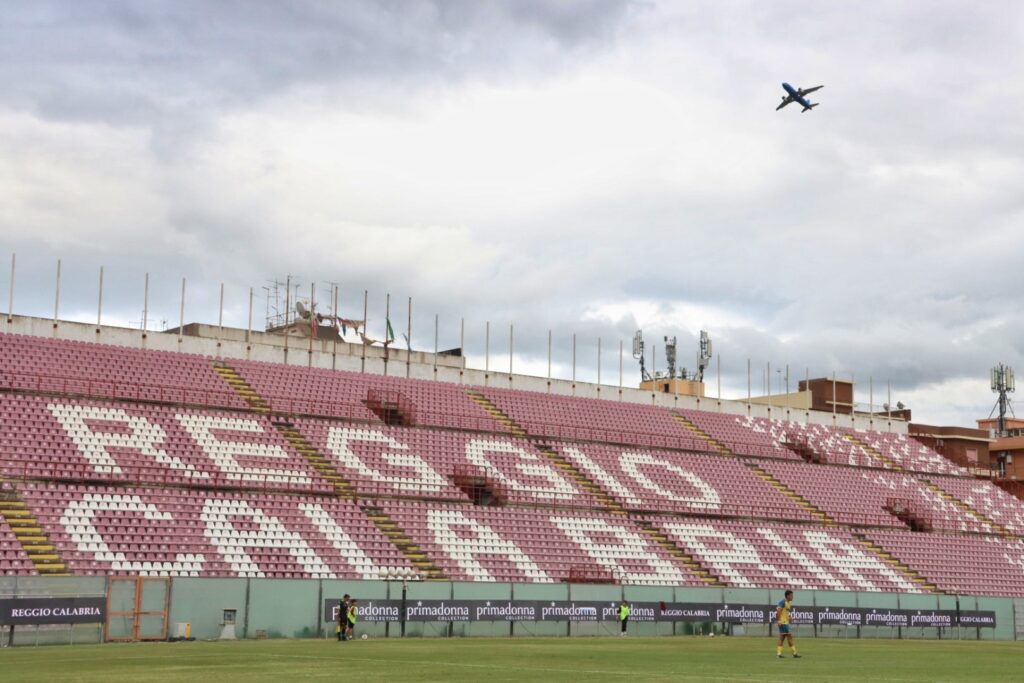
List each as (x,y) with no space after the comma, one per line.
(301,309)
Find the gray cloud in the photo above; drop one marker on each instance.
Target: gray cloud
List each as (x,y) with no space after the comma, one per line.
(135,64)
(585,166)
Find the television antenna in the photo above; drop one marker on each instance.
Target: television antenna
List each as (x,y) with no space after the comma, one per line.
(703,359)
(670,355)
(1003,383)
(703,356)
(638,354)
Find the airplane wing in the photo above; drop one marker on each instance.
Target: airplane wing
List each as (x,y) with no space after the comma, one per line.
(784,103)
(810,90)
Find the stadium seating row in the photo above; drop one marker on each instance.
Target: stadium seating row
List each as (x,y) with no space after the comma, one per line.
(143,462)
(90,369)
(70,439)
(115,530)
(983,565)
(81,440)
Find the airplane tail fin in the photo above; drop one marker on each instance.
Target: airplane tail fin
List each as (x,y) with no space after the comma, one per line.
(809,107)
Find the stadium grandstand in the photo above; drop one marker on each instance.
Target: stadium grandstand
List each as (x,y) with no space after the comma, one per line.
(205,452)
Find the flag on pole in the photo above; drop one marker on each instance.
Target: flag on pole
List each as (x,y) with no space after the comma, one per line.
(408,344)
(391,331)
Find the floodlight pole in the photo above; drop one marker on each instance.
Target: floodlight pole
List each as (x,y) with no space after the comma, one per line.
(314,327)
(220,317)
(487,346)
(287,304)
(833,396)
(888,400)
(56,298)
(788,400)
(366,315)
(387,322)
(99,304)
(337,327)
(511,341)
(549,357)
(748,386)
(574,358)
(598,362)
(436,320)
(181,312)
(10,293)
(145,307)
(871,400)
(719,378)
(248,327)
(853,398)
(620,366)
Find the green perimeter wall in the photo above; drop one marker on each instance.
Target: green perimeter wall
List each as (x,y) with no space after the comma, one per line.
(283,608)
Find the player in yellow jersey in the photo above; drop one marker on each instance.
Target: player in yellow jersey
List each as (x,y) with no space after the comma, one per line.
(782,619)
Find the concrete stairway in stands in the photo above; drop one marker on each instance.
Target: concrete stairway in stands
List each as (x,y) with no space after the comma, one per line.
(286,429)
(908,573)
(874,452)
(314,457)
(342,487)
(965,508)
(700,433)
(678,554)
(29,532)
(495,412)
(398,537)
(575,475)
(241,387)
(570,471)
(802,502)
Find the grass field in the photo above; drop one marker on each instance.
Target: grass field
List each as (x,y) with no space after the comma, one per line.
(520,659)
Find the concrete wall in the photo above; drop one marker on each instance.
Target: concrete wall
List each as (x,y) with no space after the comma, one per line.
(307,352)
(284,608)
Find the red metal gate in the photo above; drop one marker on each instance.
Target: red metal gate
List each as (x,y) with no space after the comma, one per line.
(137,608)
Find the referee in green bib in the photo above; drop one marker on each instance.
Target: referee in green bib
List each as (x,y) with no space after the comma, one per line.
(623,616)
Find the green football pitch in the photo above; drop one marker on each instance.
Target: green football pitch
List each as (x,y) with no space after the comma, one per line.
(520,659)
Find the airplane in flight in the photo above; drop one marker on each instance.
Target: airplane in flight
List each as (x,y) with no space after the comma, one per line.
(797,95)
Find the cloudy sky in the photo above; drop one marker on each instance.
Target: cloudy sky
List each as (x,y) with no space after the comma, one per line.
(581,166)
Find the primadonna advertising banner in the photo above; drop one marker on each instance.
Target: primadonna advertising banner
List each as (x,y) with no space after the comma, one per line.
(417,610)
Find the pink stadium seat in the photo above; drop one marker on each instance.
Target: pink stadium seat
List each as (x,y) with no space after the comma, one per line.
(122,530)
(140,462)
(539,546)
(336,393)
(740,434)
(859,496)
(685,483)
(960,564)
(101,370)
(764,555)
(73,439)
(405,462)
